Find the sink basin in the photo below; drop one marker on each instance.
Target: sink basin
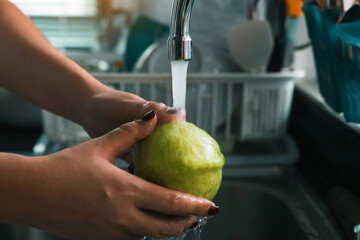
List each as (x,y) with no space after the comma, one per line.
(252,214)
(272,203)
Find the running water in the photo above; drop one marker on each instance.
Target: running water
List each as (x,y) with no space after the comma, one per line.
(179,74)
(191,234)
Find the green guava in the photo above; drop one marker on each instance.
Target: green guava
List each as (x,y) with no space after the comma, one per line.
(182,157)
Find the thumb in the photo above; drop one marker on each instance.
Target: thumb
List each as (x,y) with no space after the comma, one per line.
(122,138)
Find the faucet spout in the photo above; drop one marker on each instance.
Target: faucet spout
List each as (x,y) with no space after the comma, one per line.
(180,42)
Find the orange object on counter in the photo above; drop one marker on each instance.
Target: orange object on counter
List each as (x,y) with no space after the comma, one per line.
(294,7)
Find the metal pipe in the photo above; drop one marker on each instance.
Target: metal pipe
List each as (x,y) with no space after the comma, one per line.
(180,42)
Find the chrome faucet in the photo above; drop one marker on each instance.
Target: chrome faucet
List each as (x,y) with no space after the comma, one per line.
(180,42)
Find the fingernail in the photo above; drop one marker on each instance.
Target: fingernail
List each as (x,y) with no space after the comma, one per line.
(194,225)
(150,115)
(213,210)
(172,110)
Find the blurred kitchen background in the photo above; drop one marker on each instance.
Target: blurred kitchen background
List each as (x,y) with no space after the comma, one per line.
(281,101)
(117,36)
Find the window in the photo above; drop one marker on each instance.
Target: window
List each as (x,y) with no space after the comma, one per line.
(67,24)
(58,8)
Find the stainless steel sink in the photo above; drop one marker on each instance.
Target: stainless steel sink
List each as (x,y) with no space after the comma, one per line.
(257,203)
(252,214)
(269,204)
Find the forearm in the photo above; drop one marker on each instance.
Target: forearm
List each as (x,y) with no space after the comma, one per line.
(17,176)
(35,192)
(32,68)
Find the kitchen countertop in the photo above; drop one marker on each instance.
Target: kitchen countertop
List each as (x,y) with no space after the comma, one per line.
(311,90)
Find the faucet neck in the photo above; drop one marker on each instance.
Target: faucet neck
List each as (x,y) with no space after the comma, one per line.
(180,42)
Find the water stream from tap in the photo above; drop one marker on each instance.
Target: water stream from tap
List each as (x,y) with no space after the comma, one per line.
(179,75)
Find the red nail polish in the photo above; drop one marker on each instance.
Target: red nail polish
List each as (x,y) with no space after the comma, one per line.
(148,116)
(194,225)
(213,210)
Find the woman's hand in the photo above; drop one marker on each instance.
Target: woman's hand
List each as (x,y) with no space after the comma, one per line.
(78,193)
(108,109)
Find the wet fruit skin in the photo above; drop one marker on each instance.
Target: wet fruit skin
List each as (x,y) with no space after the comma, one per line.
(182,157)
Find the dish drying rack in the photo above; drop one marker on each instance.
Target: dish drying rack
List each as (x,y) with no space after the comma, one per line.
(231,107)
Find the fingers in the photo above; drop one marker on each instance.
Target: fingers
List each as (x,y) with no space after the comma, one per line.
(155,225)
(164,113)
(121,139)
(172,202)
